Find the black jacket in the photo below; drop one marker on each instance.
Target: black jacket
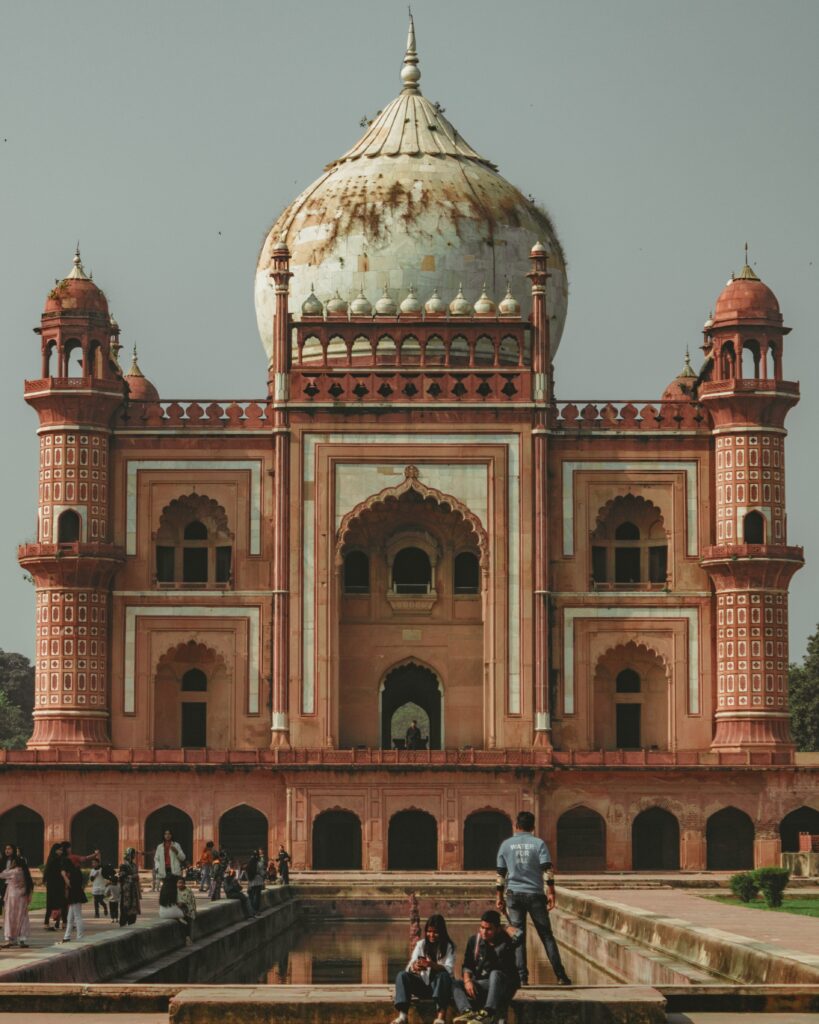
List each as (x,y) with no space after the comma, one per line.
(481,958)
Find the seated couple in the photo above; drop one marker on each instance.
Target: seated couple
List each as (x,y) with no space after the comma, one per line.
(489,973)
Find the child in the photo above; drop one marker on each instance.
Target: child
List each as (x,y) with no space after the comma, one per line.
(97,886)
(112,894)
(187,901)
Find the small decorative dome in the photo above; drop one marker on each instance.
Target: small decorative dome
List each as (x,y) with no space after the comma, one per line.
(484,306)
(745,297)
(459,306)
(361,305)
(509,305)
(709,323)
(312,305)
(539,249)
(140,389)
(411,304)
(681,389)
(385,305)
(435,305)
(76,293)
(336,306)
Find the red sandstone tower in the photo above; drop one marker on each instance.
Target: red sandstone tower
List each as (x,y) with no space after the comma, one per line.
(73,561)
(751,564)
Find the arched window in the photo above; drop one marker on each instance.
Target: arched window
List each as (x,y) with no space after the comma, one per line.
(193,544)
(195,681)
(753,528)
(467,573)
(655,841)
(95,828)
(629,547)
(68,527)
(25,828)
(411,572)
(628,681)
(356,573)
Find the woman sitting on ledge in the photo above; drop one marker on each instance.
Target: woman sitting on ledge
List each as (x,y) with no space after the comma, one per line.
(428,974)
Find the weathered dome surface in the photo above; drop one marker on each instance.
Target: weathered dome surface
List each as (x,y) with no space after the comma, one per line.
(411,204)
(745,297)
(76,293)
(140,389)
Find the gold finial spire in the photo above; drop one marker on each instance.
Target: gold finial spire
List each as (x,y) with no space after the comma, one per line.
(747,273)
(77,272)
(135,370)
(410,72)
(688,370)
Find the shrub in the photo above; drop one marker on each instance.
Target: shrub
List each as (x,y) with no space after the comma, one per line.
(772,882)
(744,886)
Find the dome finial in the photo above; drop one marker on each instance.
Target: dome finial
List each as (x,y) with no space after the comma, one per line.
(410,72)
(747,273)
(77,272)
(135,370)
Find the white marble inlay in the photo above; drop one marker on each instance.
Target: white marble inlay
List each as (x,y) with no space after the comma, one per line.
(512,445)
(643,465)
(656,612)
(56,512)
(133,466)
(132,613)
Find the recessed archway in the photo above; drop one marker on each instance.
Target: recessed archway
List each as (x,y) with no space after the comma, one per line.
(729,841)
(180,824)
(655,841)
(336,841)
(405,689)
(25,828)
(803,819)
(581,840)
(242,830)
(412,842)
(94,828)
(484,831)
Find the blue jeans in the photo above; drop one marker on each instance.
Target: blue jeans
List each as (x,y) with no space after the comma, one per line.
(493,992)
(518,905)
(408,985)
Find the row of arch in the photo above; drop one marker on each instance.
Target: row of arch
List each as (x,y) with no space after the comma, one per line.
(412,351)
(412,842)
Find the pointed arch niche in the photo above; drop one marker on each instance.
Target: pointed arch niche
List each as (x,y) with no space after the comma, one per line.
(409,614)
(192,699)
(632,704)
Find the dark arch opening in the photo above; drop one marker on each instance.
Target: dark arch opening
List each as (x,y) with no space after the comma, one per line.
(467,575)
(413,842)
(195,530)
(581,840)
(411,684)
(168,817)
(411,572)
(655,841)
(803,819)
(753,528)
(94,828)
(484,831)
(26,829)
(68,527)
(194,681)
(356,573)
(627,531)
(242,830)
(729,841)
(628,681)
(336,841)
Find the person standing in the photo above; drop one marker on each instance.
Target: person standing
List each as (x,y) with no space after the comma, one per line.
(206,866)
(112,895)
(524,864)
(255,881)
(55,909)
(130,894)
(413,737)
(490,975)
(97,880)
(75,897)
(6,858)
(169,857)
(19,887)
(283,860)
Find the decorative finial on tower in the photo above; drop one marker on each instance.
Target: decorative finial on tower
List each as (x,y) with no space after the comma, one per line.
(135,370)
(77,273)
(747,273)
(410,72)
(688,369)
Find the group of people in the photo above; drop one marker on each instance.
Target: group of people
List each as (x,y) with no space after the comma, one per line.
(494,964)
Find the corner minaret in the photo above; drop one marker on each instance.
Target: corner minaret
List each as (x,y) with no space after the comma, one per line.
(73,560)
(750,564)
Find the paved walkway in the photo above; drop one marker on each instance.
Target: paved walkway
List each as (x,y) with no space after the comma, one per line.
(785,931)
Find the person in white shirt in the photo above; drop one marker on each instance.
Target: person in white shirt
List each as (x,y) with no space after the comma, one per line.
(97,887)
(429,971)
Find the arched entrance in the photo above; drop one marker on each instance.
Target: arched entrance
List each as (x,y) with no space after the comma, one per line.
(803,819)
(406,690)
(26,829)
(242,830)
(655,841)
(729,841)
(631,686)
(484,831)
(94,828)
(413,842)
(581,840)
(336,841)
(181,826)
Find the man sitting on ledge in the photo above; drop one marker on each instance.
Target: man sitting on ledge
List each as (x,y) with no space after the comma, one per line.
(490,975)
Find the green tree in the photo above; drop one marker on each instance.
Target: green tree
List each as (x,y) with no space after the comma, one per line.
(803,685)
(16,699)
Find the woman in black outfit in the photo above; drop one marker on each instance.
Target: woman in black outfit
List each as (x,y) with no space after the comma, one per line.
(56,908)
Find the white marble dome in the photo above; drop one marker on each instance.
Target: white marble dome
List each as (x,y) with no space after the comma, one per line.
(411,205)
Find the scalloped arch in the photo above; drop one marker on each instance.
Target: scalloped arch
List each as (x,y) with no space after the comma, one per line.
(644,504)
(198,506)
(192,652)
(631,649)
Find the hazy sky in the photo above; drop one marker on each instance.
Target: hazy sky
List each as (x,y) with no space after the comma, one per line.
(167,136)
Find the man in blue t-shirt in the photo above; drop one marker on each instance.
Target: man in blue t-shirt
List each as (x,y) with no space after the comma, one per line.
(523,861)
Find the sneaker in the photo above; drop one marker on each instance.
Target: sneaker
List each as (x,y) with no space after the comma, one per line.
(464,1018)
(22,945)
(484,1017)
(564,979)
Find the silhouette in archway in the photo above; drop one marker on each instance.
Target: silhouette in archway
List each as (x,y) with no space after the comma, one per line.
(336,841)
(413,842)
(655,841)
(94,828)
(180,825)
(242,830)
(26,829)
(411,684)
(803,819)
(581,840)
(484,831)
(729,841)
